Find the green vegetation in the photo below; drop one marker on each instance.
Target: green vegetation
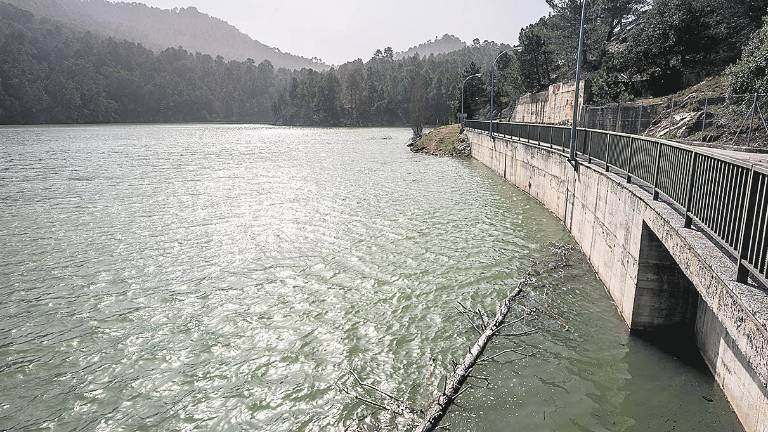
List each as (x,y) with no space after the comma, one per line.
(445,44)
(50,73)
(750,73)
(386,91)
(638,48)
(158,29)
(442,141)
(60,72)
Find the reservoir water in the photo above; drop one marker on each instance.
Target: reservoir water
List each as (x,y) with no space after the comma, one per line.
(226,277)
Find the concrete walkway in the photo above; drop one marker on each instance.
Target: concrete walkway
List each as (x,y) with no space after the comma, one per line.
(750,158)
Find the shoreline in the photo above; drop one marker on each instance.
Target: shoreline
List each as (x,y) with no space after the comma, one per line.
(442,141)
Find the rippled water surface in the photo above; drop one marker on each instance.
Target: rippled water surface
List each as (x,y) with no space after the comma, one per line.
(219,277)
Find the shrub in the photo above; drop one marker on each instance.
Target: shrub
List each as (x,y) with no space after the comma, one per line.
(748,75)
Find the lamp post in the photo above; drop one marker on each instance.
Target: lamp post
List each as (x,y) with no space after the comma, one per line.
(572,156)
(463,116)
(493,79)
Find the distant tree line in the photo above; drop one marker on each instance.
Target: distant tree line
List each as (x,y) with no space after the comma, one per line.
(51,73)
(387,91)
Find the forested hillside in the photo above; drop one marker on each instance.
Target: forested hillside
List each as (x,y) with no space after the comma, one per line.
(638,47)
(633,48)
(158,29)
(441,45)
(384,91)
(50,73)
(55,72)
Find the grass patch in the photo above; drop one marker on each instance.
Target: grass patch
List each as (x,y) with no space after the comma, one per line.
(441,141)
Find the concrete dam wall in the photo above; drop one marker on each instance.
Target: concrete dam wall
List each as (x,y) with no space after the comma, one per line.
(661,276)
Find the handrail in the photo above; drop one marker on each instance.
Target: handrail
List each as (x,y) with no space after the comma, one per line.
(725,197)
(662,140)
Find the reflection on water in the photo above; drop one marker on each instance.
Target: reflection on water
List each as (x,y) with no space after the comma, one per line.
(224,277)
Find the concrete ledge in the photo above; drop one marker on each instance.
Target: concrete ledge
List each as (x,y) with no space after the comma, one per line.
(607,216)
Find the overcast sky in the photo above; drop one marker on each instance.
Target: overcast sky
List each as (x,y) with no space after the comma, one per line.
(343,30)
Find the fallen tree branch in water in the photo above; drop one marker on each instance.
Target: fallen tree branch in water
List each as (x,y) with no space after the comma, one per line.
(391,403)
(454,385)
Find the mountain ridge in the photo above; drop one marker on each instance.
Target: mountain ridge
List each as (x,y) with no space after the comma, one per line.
(441,45)
(158,29)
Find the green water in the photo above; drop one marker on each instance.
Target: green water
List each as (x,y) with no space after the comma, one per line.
(220,277)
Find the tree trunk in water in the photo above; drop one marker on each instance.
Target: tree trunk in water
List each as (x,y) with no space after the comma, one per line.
(440,404)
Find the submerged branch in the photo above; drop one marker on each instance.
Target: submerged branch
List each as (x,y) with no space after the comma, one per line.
(454,385)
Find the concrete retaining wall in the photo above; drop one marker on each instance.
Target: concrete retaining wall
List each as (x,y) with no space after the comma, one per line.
(629,240)
(555,105)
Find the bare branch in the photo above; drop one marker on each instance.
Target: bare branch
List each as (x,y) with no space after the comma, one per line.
(483,318)
(523,333)
(365,400)
(454,385)
(471,321)
(489,358)
(376,389)
(467,387)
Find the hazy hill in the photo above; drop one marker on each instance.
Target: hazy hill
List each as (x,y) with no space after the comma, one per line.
(158,29)
(51,72)
(445,44)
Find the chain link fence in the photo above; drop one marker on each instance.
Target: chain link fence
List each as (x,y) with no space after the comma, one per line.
(731,120)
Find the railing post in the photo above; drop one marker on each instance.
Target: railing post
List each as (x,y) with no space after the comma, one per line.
(629,163)
(608,153)
(563,141)
(588,138)
(742,273)
(689,189)
(550,137)
(656,172)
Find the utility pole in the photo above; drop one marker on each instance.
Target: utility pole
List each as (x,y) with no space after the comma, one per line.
(490,124)
(493,79)
(572,156)
(751,119)
(463,116)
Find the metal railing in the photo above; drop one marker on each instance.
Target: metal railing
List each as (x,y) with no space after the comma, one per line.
(728,199)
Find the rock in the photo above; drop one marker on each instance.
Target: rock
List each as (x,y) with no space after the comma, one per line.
(463,148)
(413,141)
(680,125)
(711,137)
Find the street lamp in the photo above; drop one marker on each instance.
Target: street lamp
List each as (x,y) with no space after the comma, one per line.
(493,79)
(572,156)
(463,116)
